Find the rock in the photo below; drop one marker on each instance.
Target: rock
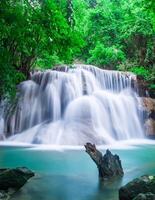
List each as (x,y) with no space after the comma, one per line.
(142,86)
(148,104)
(144,184)
(146,196)
(150,128)
(108,165)
(61,68)
(4,195)
(14,178)
(148,109)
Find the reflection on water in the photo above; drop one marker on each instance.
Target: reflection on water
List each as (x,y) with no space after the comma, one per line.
(71,175)
(57,187)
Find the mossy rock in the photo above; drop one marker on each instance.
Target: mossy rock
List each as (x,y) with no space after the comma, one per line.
(146,196)
(14,178)
(144,184)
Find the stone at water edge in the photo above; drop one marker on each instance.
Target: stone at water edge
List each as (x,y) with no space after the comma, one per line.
(14,178)
(144,184)
(109,165)
(4,195)
(146,196)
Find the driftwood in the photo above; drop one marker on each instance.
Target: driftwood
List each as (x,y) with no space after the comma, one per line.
(108,165)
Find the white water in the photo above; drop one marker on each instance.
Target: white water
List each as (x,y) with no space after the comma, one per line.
(81,105)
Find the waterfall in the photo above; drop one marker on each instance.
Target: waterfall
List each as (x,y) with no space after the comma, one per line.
(74,106)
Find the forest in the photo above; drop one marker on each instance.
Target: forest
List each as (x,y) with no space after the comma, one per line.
(111,34)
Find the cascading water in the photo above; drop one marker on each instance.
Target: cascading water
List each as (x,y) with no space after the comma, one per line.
(78,105)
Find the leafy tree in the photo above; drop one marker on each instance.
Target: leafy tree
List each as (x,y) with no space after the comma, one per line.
(106,57)
(32,31)
(137,33)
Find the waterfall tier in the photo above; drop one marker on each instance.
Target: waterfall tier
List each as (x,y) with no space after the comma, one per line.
(75,106)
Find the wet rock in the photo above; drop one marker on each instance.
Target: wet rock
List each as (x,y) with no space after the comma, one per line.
(146,196)
(4,195)
(12,180)
(142,86)
(148,104)
(61,68)
(144,184)
(150,128)
(109,165)
(148,109)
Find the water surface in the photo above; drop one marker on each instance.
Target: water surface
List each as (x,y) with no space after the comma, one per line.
(71,174)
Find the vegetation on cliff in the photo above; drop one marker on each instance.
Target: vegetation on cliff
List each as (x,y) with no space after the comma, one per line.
(111,34)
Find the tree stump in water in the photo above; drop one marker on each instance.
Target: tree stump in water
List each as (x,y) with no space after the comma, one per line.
(109,165)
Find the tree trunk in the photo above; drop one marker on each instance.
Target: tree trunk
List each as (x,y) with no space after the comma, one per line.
(109,165)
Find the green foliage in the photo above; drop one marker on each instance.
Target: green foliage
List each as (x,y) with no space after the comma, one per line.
(150,8)
(106,56)
(152,86)
(141,71)
(48,61)
(33,33)
(126,25)
(9,77)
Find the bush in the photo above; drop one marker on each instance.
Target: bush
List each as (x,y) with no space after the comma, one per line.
(9,76)
(141,71)
(106,56)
